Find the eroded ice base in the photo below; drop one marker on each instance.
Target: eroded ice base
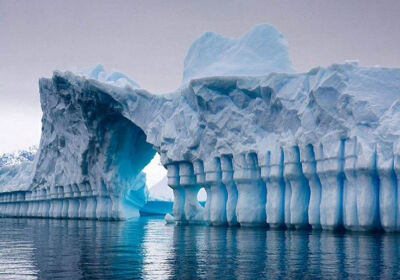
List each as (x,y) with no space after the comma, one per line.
(342,185)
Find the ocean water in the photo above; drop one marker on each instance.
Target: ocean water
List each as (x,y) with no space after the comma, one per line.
(146,248)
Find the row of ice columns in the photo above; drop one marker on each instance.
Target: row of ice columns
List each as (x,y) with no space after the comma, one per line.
(72,201)
(216,177)
(287,187)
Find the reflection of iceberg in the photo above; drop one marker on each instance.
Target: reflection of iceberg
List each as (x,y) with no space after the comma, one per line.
(147,249)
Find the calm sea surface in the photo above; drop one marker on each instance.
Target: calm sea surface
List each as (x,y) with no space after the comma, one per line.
(146,248)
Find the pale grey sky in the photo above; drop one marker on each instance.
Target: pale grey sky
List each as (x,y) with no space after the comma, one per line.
(148,40)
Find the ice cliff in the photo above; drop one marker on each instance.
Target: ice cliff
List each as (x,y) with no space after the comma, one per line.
(286,149)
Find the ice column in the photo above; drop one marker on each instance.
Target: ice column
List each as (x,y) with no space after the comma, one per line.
(250,208)
(23,211)
(28,197)
(368,189)
(396,209)
(58,202)
(275,188)
(46,203)
(212,168)
(201,181)
(73,202)
(194,213)
(103,207)
(91,203)
(300,191)
(83,189)
(64,194)
(7,205)
(388,205)
(350,187)
(361,187)
(35,207)
(388,164)
(51,196)
(179,193)
(330,172)
(41,199)
(14,205)
(310,172)
(17,202)
(2,204)
(227,180)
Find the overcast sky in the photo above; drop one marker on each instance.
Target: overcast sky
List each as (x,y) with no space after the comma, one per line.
(148,40)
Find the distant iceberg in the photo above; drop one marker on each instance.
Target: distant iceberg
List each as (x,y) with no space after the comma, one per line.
(114,78)
(260,51)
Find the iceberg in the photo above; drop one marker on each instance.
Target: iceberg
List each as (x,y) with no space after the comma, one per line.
(260,51)
(270,147)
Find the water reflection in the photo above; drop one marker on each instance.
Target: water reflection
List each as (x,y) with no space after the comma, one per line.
(148,249)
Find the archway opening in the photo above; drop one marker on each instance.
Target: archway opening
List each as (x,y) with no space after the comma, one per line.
(202,196)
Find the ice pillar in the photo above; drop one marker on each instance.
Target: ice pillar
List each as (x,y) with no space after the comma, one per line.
(82,200)
(46,203)
(330,157)
(212,169)
(103,207)
(35,203)
(201,181)
(310,172)
(91,203)
(388,190)
(232,194)
(24,205)
(250,208)
(194,213)
(361,187)
(64,193)
(179,193)
(300,191)
(275,206)
(73,203)
(57,201)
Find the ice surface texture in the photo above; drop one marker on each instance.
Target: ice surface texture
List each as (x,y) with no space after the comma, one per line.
(317,149)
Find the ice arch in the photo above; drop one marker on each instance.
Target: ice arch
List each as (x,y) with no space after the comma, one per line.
(90,155)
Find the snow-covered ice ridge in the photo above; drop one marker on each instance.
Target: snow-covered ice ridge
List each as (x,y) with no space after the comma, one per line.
(16,169)
(317,149)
